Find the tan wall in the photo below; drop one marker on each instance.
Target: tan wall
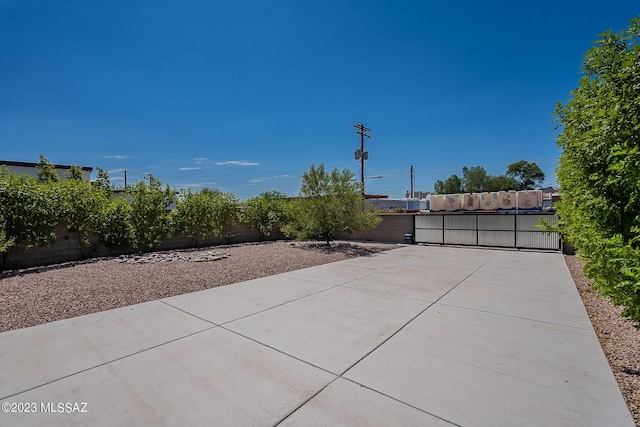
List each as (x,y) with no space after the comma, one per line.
(392,228)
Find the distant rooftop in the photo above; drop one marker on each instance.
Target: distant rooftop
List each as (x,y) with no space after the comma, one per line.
(31,169)
(35,165)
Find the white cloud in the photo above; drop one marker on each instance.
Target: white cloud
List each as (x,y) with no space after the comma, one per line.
(116,156)
(200,159)
(267,178)
(237,163)
(189,169)
(197,184)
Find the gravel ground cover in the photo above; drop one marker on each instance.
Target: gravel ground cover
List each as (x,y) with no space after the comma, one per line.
(44,294)
(619,337)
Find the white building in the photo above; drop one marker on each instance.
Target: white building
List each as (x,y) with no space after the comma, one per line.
(31,169)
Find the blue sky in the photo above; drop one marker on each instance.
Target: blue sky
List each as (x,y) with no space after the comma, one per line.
(244,96)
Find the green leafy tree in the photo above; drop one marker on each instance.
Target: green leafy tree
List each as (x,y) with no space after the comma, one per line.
(451,185)
(46,171)
(150,215)
(81,208)
(599,169)
(226,214)
(527,175)
(29,211)
(267,212)
(115,227)
(501,183)
(103,181)
(5,241)
(74,173)
(474,179)
(195,214)
(330,203)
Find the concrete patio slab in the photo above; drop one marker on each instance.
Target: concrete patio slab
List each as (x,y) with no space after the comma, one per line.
(563,308)
(332,329)
(380,261)
(506,286)
(413,336)
(210,378)
(482,369)
(338,274)
(231,302)
(33,356)
(422,278)
(541,269)
(408,284)
(344,403)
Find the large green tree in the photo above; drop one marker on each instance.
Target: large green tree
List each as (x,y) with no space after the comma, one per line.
(330,203)
(528,175)
(451,185)
(474,179)
(599,169)
(501,183)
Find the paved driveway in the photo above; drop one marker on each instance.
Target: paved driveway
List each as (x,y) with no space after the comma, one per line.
(419,335)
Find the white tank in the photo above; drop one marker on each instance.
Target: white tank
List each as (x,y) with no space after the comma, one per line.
(436,202)
(530,200)
(507,200)
(453,202)
(489,201)
(471,202)
(413,205)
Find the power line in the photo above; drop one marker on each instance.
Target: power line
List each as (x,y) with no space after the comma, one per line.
(398,175)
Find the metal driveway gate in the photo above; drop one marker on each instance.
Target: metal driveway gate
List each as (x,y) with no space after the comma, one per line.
(487,229)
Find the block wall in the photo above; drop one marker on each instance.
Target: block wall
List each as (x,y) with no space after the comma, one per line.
(66,248)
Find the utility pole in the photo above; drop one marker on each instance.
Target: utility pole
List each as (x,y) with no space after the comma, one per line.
(411,170)
(360,153)
(125,179)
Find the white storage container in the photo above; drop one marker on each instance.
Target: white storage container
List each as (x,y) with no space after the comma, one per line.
(489,201)
(530,200)
(453,202)
(436,202)
(507,200)
(471,202)
(413,205)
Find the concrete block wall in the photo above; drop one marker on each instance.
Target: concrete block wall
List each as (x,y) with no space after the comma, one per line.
(66,247)
(392,228)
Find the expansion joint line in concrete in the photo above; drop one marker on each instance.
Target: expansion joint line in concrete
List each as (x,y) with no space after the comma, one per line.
(378,346)
(419,314)
(107,362)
